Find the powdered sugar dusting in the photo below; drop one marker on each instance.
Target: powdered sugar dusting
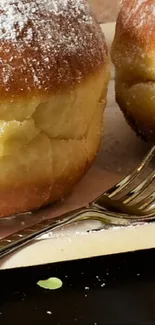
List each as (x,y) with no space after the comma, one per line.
(16,15)
(138,13)
(47,41)
(12,21)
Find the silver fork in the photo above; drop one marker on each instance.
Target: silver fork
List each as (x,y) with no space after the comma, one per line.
(107,208)
(121,199)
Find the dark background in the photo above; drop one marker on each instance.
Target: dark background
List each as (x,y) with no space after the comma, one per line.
(118,289)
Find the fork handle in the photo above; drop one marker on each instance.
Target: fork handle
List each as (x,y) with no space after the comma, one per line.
(16,240)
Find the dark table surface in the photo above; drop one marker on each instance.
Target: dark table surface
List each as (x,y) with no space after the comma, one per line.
(109,290)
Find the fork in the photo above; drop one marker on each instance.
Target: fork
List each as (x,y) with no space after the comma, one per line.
(121,199)
(107,208)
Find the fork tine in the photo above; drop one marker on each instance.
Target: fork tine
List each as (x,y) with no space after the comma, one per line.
(121,204)
(116,189)
(139,189)
(146,203)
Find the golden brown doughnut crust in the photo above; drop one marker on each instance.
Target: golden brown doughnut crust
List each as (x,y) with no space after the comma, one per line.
(135,37)
(133,54)
(141,129)
(47,45)
(46,169)
(54,72)
(136,20)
